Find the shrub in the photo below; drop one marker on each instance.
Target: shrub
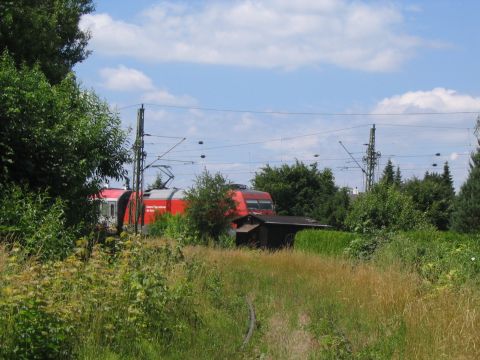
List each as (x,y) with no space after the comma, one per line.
(384,207)
(35,222)
(441,258)
(210,206)
(55,309)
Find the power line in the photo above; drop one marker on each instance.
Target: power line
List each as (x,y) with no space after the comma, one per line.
(300,113)
(424,126)
(273,140)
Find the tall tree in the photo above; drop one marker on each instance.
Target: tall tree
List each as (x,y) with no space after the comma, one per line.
(388,176)
(397,180)
(466,210)
(432,197)
(447,178)
(45,32)
(301,190)
(57,138)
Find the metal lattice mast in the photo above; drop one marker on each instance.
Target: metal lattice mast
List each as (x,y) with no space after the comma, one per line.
(371,160)
(138,164)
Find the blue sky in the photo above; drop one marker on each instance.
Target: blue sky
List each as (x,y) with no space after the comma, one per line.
(309,56)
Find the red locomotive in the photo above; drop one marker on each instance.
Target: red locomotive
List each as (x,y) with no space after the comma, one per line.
(117,209)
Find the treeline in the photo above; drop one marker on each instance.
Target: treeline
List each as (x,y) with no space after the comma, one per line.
(58,142)
(393,203)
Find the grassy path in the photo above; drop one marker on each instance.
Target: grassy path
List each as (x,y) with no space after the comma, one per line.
(322,308)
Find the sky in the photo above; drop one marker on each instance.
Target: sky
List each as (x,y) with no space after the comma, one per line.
(250,83)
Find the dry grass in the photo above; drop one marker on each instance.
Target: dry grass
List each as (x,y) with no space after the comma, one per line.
(3,259)
(364,310)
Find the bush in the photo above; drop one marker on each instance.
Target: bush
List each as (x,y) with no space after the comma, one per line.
(441,258)
(35,222)
(56,309)
(325,242)
(384,207)
(210,206)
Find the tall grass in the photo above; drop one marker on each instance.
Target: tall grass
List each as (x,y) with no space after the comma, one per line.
(441,258)
(325,242)
(141,301)
(326,308)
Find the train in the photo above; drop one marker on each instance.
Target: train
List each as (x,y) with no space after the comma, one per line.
(118,206)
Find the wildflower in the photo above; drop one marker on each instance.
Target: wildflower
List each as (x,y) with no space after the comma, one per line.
(473,258)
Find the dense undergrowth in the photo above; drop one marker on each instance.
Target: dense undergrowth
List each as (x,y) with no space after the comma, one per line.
(443,259)
(131,299)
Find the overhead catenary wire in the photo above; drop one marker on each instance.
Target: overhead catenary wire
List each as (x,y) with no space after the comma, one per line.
(308,113)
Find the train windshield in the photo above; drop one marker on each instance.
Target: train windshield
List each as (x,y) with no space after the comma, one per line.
(259,204)
(252,204)
(265,204)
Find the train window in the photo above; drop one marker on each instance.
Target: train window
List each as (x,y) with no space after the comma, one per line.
(252,204)
(112,210)
(265,204)
(104,209)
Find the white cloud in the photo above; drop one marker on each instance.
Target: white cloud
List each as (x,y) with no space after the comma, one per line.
(269,33)
(123,78)
(436,100)
(162,96)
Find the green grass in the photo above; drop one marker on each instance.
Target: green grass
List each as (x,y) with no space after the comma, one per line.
(151,300)
(324,242)
(316,307)
(441,258)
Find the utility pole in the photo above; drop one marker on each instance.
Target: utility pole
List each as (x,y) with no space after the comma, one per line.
(371,160)
(138,164)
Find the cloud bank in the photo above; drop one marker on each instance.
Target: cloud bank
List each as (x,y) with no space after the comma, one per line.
(268,34)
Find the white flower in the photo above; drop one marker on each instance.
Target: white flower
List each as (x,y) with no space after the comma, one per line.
(473,258)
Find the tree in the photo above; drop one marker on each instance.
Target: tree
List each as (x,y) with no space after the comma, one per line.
(157,183)
(466,209)
(57,138)
(448,180)
(45,32)
(397,180)
(433,196)
(210,206)
(384,207)
(299,190)
(388,176)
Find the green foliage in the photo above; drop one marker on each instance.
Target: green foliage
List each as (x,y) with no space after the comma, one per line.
(57,138)
(388,176)
(210,206)
(325,242)
(384,207)
(45,32)
(397,180)
(302,190)
(34,222)
(51,310)
(145,301)
(174,227)
(157,183)
(466,213)
(444,259)
(364,247)
(433,196)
